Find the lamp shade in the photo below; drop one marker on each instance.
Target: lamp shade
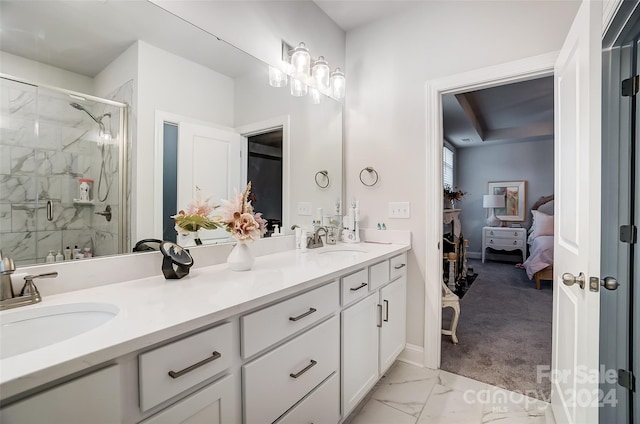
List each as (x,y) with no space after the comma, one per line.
(320,72)
(338,83)
(300,61)
(493,201)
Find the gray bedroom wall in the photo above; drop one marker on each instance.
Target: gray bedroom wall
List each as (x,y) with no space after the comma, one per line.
(475,166)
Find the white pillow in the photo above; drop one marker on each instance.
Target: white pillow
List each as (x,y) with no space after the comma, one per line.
(542,225)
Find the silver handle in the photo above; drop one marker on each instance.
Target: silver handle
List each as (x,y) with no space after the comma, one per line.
(305,369)
(609,283)
(400,266)
(386,307)
(515,242)
(379,316)
(490,241)
(213,357)
(490,232)
(359,287)
(515,234)
(309,312)
(49,210)
(569,279)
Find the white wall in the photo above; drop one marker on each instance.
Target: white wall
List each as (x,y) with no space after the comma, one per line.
(388,64)
(530,161)
(41,74)
(258,27)
(169,83)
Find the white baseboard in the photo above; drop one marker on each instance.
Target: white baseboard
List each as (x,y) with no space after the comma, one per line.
(413,355)
(474,255)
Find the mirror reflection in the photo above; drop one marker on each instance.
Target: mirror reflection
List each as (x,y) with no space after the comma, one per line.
(128,119)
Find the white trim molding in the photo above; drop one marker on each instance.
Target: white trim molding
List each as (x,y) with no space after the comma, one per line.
(413,355)
(507,73)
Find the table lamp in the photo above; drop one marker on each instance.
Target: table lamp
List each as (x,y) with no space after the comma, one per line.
(492,201)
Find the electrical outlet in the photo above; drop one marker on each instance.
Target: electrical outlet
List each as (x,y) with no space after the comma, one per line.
(399,210)
(304,208)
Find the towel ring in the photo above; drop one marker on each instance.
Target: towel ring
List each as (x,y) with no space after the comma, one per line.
(326,177)
(370,170)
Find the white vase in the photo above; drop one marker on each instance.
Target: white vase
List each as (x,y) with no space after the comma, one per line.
(241,258)
(186,240)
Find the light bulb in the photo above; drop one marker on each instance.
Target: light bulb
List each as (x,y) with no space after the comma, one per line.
(300,61)
(298,88)
(320,72)
(277,78)
(338,84)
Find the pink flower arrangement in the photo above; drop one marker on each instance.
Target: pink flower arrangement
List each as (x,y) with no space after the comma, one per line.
(239,218)
(197,215)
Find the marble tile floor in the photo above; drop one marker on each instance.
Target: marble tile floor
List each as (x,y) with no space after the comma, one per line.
(408,394)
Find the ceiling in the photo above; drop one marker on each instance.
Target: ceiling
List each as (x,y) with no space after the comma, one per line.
(515,112)
(350,14)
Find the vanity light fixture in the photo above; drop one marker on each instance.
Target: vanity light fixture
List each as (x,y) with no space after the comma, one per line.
(277,78)
(320,73)
(313,77)
(338,83)
(300,61)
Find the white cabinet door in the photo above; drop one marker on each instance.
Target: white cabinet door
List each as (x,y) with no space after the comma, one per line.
(208,158)
(393,298)
(576,310)
(94,398)
(359,350)
(215,404)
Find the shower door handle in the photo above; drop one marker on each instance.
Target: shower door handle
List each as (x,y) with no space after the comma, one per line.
(49,210)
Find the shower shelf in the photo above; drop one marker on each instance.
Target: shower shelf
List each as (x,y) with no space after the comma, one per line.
(84,202)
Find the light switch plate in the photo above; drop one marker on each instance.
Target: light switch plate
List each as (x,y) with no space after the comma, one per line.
(304,208)
(399,210)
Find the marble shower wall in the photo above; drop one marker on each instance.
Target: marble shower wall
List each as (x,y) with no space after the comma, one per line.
(45,147)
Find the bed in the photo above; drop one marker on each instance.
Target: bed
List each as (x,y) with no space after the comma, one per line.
(539,264)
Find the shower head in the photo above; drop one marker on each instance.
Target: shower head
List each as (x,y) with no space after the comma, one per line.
(98,120)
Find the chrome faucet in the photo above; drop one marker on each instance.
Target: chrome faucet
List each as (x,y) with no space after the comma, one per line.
(29,293)
(315,240)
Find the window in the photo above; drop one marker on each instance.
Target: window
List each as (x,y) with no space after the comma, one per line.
(447,166)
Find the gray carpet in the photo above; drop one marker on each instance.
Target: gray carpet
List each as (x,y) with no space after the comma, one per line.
(504,330)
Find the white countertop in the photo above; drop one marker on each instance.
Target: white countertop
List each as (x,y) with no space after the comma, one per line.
(154,309)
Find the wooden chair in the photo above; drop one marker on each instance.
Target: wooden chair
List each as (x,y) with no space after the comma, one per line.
(451,300)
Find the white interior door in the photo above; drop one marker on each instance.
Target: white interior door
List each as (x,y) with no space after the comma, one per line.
(208,158)
(577,225)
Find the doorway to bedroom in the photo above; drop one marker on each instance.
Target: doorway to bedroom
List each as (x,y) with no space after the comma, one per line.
(497,168)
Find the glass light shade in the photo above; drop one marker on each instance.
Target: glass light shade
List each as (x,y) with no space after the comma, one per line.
(298,88)
(338,84)
(315,95)
(277,78)
(300,60)
(320,72)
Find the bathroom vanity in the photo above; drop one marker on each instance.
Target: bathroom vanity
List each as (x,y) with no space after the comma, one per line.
(302,337)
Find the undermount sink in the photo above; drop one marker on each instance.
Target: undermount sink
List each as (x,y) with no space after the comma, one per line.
(26,330)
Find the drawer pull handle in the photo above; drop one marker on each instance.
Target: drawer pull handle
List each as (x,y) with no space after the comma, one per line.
(400,266)
(213,357)
(515,242)
(309,312)
(491,232)
(386,307)
(305,369)
(490,241)
(359,287)
(379,324)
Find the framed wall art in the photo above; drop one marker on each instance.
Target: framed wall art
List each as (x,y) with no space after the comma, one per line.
(515,199)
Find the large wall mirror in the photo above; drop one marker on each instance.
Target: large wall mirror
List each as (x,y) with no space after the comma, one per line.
(112,113)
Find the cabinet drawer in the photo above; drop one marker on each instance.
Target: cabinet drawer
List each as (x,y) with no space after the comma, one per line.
(322,406)
(216,403)
(378,274)
(499,243)
(274,382)
(190,361)
(267,326)
(354,286)
(508,233)
(398,266)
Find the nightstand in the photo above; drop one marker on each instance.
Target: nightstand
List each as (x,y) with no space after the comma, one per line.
(503,238)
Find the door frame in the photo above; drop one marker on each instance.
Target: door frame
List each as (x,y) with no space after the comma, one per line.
(506,73)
